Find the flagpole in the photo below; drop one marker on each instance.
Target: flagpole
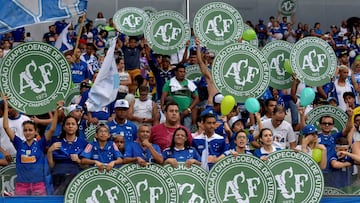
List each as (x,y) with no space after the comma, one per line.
(80,30)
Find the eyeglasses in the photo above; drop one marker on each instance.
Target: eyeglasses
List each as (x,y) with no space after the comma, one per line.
(327,123)
(242,137)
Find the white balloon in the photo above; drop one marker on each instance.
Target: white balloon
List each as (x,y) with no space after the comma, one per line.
(352,54)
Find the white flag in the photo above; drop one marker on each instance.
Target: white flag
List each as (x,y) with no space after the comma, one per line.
(106,85)
(205,155)
(63,43)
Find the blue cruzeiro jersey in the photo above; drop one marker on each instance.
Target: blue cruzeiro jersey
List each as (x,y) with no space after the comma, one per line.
(62,157)
(330,143)
(216,144)
(29,160)
(128,130)
(135,150)
(181,155)
(109,153)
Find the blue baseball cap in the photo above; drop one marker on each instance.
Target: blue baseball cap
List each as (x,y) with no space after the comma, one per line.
(309,129)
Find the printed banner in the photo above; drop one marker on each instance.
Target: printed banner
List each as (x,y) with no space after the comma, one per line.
(22,13)
(241,70)
(167,32)
(217,25)
(131,21)
(35,75)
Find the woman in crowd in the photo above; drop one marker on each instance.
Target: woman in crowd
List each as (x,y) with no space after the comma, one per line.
(63,155)
(31,164)
(266,140)
(180,150)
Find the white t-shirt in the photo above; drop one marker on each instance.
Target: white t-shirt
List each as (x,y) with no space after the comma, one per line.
(123,77)
(282,135)
(340,92)
(16,127)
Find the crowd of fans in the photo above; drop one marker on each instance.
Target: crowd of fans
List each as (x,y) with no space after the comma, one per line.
(160,116)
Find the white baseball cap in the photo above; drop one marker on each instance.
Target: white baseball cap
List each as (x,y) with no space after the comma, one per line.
(121,103)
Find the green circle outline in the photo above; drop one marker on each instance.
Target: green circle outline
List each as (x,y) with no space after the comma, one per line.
(268,50)
(167,15)
(298,50)
(119,16)
(286,160)
(241,51)
(221,8)
(28,106)
(102,176)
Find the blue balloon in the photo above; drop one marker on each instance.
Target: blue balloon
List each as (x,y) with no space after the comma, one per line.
(307,96)
(252,105)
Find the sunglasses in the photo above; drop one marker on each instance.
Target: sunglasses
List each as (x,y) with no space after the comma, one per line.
(327,124)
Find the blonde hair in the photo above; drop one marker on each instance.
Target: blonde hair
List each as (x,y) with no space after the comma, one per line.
(342,67)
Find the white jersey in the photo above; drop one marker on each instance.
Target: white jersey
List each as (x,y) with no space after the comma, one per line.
(16,127)
(282,135)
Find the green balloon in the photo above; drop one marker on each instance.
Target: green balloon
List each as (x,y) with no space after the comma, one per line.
(249,35)
(317,154)
(357,58)
(287,66)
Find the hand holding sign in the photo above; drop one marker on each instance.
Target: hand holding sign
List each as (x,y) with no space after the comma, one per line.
(307,96)
(252,105)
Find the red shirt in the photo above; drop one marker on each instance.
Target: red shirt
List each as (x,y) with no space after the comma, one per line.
(162,135)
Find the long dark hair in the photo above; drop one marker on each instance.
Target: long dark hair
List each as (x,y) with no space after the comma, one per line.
(63,133)
(186,144)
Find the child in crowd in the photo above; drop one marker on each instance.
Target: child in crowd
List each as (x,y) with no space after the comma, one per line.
(102,152)
(120,142)
(340,174)
(180,150)
(266,139)
(30,159)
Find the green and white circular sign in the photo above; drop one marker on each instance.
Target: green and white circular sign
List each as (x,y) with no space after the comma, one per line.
(153,183)
(254,42)
(149,10)
(328,191)
(92,185)
(193,72)
(276,53)
(131,21)
(217,25)
(287,7)
(241,70)
(313,60)
(8,173)
(339,116)
(300,181)
(167,32)
(243,178)
(190,182)
(34,76)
